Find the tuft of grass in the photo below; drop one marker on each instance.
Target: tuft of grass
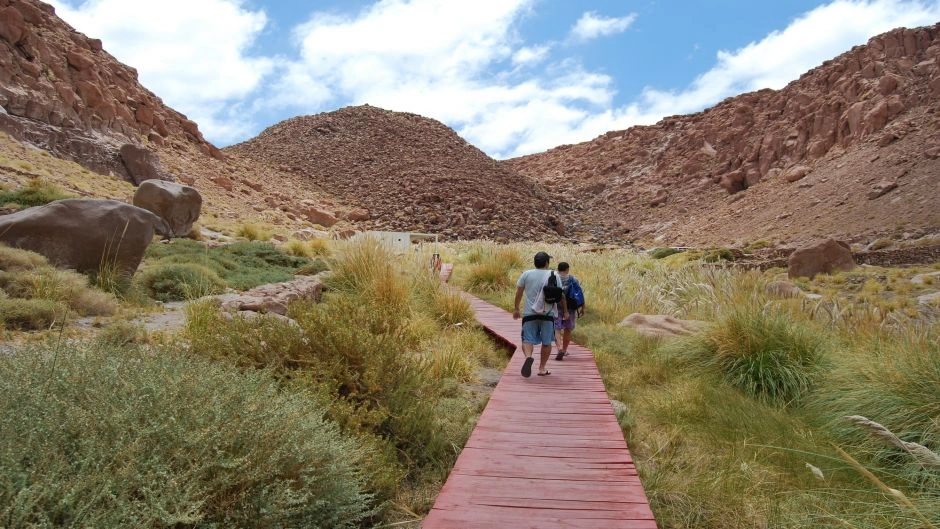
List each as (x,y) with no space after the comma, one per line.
(659,253)
(253,232)
(315,267)
(30,314)
(763,353)
(36,192)
(179,282)
(13,259)
(309,249)
(129,437)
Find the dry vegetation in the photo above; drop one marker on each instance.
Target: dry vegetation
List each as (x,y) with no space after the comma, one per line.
(744,424)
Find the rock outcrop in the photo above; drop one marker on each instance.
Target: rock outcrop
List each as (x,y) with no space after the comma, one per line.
(61,91)
(85,235)
(661,326)
(273,298)
(404,172)
(823,257)
(849,144)
(177,204)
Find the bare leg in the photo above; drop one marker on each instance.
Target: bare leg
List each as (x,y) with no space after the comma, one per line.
(566,340)
(527,349)
(545,353)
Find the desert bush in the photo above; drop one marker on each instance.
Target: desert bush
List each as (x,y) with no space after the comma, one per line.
(13,259)
(65,287)
(30,314)
(253,232)
(487,277)
(178,282)
(242,265)
(309,249)
(134,438)
(122,333)
(764,353)
(35,193)
(659,253)
(450,308)
(316,266)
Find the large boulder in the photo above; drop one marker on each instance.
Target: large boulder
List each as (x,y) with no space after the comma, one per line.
(86,235)
(822,257)
(141,164)
(177,204)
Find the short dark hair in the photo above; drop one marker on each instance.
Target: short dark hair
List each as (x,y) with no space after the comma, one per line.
(562,266)
(541,259)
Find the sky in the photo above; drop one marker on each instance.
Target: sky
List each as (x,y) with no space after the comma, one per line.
(513,77)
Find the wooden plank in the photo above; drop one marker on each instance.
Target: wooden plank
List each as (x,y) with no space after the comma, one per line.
(546,453)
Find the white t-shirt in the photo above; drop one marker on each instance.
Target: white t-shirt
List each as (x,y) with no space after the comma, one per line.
(533,280)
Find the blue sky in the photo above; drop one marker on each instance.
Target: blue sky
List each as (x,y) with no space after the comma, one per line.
(511,76)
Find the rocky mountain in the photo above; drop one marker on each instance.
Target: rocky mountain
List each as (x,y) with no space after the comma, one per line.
(407,172)
(62,92)
(849,149)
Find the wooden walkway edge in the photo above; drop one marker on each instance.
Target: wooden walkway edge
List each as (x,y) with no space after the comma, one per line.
(546,453)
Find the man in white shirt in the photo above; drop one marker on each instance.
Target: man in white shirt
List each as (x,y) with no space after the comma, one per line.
(538,326)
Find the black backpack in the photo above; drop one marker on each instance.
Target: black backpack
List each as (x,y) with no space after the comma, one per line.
(552,291)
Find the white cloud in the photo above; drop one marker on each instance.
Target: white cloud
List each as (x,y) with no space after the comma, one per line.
(530,55)
(459,62)
(195,55)
(783,56)
(591,25)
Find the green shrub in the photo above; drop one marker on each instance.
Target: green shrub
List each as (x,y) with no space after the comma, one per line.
(178,282)
(659,253)
(30,314)
(893,379)
(134,438)
(763,353)
(242,265)
(122,333)
(35,193)
(315,267)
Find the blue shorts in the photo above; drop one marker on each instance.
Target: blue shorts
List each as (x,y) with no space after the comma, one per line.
(538,332)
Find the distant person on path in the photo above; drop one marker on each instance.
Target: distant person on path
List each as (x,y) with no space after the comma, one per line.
(436,262)
(574,300)
(538,314)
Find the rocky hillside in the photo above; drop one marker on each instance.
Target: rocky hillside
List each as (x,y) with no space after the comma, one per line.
(849,149)
(406,172)
(62,92)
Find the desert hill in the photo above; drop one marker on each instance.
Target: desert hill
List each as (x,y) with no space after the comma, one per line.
(62,92)
(407,172)
(849,149)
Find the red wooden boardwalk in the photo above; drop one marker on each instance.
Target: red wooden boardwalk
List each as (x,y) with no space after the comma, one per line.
(546,453)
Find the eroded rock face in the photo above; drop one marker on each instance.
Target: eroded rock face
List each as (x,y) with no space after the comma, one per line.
(177,204)
(84,234)
(823,257)
(141,164)
(64,93)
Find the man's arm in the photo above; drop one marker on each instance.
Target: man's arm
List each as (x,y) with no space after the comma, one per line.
(515,310)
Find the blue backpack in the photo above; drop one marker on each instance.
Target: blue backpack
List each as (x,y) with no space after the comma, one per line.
(574,295)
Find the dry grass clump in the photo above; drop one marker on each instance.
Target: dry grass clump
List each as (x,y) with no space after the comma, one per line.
(40,294)
(253,232)
(309,249)
(763,353)
(36,192)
